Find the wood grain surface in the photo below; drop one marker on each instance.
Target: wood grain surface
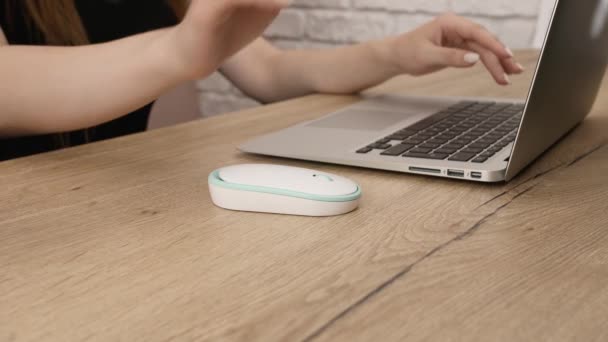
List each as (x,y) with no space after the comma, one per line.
(119,241)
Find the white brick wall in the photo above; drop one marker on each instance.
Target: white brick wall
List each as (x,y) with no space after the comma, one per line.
(327,23)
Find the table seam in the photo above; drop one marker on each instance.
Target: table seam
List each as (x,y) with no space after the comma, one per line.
(462,236)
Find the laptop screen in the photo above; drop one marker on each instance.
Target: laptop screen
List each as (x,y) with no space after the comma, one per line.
(567,80)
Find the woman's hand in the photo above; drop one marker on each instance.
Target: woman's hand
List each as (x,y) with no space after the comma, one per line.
(214,30)
(450,41)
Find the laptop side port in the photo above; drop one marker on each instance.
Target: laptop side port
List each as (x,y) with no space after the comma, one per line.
(424,170)
(456,173)
(476,175)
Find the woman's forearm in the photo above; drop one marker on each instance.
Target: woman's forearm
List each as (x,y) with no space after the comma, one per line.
(269,74)
(54,89)
(342,70)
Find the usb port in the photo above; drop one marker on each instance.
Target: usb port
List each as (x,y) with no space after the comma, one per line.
(476,175)
(456,173)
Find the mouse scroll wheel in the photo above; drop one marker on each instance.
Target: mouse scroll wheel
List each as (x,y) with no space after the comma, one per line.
(323,177)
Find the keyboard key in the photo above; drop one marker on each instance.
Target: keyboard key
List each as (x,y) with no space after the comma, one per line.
(478,131)
(446,150)
(503,129)
(462,156)
(413,140)
(479,144)
(383,141)
(494,136)
(397,150)
(487,126)
(380,146)
(424,123)
(473,150)
(462,105)
(429,145)
(457,130)
(423,136)
(430,121)
(437,140)
(434,156)
(434,131)
(365,150)
(421,150)
(448,136)
(488,140)
(397,137)
(466,141)
(479,160)
(458,143)
(439,156)
(494,123)
(454,145)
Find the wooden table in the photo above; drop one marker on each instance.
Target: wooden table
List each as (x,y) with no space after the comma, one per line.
(118,241)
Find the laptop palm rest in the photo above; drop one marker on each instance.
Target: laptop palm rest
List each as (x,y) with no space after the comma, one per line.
(360,120)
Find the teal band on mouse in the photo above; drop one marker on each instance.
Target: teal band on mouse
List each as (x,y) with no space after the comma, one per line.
(214,178)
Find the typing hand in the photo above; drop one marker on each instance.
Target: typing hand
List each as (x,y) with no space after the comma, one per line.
(452,41)
(214,30)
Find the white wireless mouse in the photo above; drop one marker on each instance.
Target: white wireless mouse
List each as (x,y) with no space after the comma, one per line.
(282,190)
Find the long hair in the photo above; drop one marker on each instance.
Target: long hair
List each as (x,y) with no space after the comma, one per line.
(60,24)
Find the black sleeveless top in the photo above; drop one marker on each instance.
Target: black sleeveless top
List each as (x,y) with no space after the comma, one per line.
(104,20)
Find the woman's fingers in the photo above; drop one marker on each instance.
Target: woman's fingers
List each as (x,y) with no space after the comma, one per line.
(443,57)
(511,66)
(497,58)
(470,31)
(470,55)
(452,41)
(226,8)
(271,5)
(459,58)
(492,63)
(214,30)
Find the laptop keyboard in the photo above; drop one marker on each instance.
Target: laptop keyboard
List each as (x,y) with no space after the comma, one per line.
(465,132)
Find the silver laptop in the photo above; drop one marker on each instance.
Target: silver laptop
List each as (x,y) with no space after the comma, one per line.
(476,139)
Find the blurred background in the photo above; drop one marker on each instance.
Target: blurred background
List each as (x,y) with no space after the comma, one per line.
(328,23)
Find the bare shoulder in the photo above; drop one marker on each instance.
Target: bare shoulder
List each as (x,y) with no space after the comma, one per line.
(3,40)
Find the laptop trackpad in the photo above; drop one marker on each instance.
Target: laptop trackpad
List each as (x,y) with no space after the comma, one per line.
(361,120)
